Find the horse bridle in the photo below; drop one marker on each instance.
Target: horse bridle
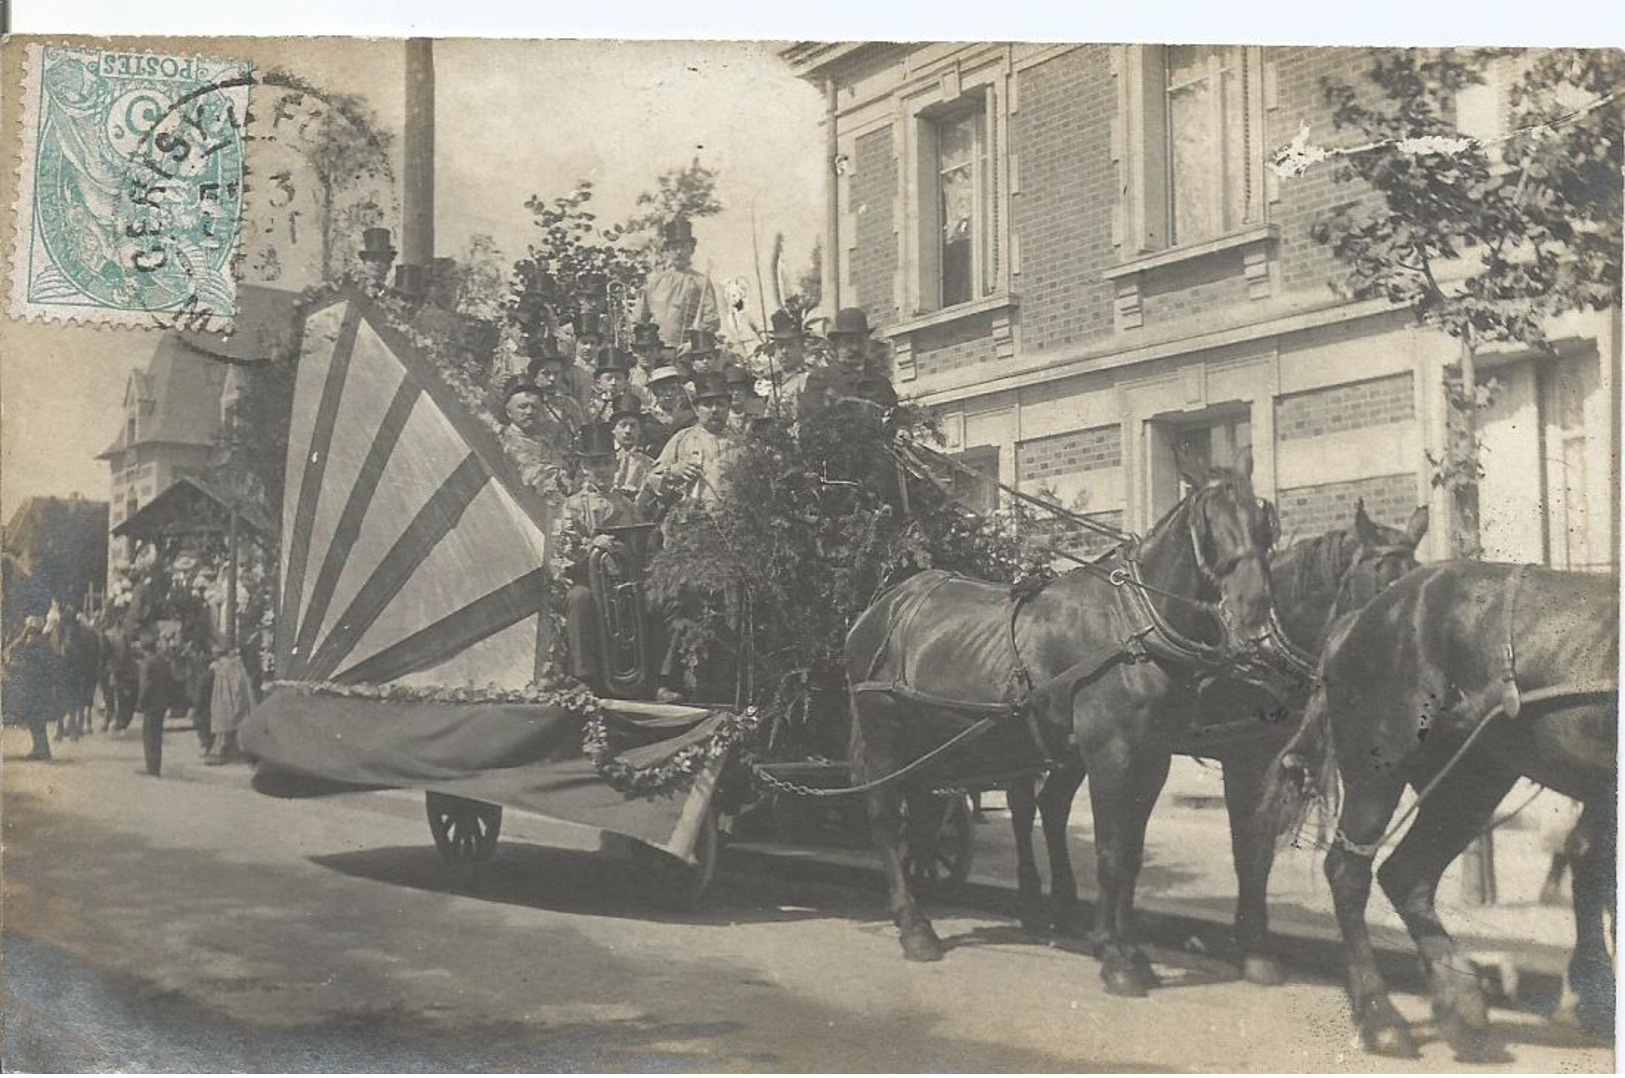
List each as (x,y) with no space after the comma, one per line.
(1304,663)
(1173,642)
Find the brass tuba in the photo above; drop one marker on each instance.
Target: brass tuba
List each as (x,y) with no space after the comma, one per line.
(615,577)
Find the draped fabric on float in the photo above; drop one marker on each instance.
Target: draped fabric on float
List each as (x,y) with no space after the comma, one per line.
(413,554)
(410,550)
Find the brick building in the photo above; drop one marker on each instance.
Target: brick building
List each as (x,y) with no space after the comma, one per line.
(1082,262)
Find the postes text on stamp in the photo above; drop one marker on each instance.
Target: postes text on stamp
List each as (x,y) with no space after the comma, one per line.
(130,193)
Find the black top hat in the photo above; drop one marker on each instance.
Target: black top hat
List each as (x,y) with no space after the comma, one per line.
(701,341)
(736,375)
(624,405)
(548,353)
(785,326)
(850,322)
(375,245)
(589,324)
(517,385)
(595,440)
(709,386)
(612,359)
(645,335)
(678,230)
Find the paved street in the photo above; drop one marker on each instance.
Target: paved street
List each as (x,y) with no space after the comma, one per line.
(189,923)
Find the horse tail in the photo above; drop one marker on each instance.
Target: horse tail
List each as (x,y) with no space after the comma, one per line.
(1303,774)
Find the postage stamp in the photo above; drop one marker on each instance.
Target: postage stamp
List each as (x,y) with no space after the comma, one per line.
(130,190)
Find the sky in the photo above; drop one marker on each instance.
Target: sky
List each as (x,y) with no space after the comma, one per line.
(512,119)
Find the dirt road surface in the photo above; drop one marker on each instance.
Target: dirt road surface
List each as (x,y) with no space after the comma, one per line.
(172,924)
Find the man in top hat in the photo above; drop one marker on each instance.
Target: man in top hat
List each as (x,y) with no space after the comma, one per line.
(561,413)
(541,465)
(593,506)
(677,297)
(611,378)
(589,346)
(701,353)
(853,372)
(687,477)
(377,254)
(675,410)
(632,463)
(648,349)
(787,349)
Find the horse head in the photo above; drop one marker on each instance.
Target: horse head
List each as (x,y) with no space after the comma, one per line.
(1380,556)
(1314,580)
(1226,538)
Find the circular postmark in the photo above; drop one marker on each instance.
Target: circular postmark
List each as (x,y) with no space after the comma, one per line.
(314,171)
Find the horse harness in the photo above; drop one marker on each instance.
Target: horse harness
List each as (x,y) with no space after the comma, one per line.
(1510,705)
(1157,640)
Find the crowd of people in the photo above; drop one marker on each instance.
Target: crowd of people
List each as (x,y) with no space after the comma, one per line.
(616,433)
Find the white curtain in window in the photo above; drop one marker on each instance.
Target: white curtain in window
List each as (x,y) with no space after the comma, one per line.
(1208,138)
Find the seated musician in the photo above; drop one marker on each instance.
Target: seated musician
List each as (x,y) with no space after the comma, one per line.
(593,506)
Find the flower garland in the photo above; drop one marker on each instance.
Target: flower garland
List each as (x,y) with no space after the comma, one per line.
(671,776)
(677,772)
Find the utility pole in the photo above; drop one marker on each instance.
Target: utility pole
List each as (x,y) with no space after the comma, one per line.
(417,179)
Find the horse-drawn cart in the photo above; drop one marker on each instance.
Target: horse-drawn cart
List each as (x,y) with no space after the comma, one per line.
(415,637)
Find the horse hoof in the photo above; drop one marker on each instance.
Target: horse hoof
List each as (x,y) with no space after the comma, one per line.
(1472,1043)
(1389,1040)
(1263,970)
(918,951)
(922,946)
(1128,982)
(1097,939)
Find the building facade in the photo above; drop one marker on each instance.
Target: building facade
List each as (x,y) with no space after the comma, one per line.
(1083,263)
(168,429)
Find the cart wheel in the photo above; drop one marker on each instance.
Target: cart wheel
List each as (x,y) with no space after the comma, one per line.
(676,885)
(152,740)
(939,844)
(464,831)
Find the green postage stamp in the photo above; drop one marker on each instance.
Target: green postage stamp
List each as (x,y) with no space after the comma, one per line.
(130,194)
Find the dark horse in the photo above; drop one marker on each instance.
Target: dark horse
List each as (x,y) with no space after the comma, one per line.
(1099,664)
(1457,680)
(1240,725)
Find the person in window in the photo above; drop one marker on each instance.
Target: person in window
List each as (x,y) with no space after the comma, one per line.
(677,297)
(593,506)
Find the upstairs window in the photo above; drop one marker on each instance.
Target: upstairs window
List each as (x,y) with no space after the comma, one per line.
(1189,145)
(1211,140)
(956,193)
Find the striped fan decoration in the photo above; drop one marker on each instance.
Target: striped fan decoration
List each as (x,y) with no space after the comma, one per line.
(411,551)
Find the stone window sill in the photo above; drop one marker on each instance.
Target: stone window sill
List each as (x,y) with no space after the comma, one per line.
(950,315)
(1175,255)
